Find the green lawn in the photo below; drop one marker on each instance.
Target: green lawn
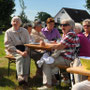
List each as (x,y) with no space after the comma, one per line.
(2,52)
(10,83)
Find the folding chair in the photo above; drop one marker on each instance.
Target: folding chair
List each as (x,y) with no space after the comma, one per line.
(11,60)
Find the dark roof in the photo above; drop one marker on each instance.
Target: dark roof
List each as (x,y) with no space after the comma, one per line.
(77,15)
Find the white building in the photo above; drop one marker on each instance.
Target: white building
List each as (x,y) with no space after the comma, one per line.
(68,13)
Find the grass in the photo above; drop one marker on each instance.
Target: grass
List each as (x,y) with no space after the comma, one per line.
(2,48)
(10,83)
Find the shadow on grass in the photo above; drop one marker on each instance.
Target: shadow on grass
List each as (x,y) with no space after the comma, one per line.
(4,71)
(4,79)
(32,84)
(35,81)
(6,82)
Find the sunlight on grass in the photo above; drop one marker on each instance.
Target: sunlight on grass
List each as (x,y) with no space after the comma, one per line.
(33,68)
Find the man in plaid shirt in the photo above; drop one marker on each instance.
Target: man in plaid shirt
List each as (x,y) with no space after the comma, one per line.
(66,48)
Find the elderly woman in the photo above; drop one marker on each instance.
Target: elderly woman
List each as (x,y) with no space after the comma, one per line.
(28,26)
(85,39)
(68,42)
(84,51)
(78,28)
(15,38)
(78,31)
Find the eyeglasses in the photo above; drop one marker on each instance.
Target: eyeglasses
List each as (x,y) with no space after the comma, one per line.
(64,25)
(86,25)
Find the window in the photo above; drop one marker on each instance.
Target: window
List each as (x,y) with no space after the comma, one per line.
(58,20)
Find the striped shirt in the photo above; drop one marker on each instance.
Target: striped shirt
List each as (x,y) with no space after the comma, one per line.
(71,41)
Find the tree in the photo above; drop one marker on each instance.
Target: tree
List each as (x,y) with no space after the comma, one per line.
(42,16)
(24,18)
(22,14)
(6,10)
(88,4)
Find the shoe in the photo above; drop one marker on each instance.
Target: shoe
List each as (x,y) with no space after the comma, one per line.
(22,82)
(45,88)
(56,84)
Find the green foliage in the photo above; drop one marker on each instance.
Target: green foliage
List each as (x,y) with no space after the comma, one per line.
(2,48)
(22,14)
(42,16)
(24,18)
(6,10)
(88,4)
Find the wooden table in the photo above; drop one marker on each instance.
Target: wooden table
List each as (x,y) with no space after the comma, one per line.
(38,46)
(79,70)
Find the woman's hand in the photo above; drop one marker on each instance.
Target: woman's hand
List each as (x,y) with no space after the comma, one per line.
(24,54)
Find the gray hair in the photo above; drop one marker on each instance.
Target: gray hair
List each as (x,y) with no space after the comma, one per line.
(86,21)
(70,22)
(78,26)
(16,18)
(37,23)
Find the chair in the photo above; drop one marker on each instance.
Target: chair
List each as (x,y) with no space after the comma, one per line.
(11,60)
(61,68)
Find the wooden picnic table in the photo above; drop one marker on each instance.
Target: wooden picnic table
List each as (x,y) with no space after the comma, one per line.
(79,70)
(38,46)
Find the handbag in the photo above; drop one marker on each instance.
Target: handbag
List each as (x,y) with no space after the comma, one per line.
(20,47)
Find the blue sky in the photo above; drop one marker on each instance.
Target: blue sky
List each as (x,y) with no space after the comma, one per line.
(50,6)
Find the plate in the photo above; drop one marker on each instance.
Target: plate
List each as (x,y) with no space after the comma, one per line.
(35,43)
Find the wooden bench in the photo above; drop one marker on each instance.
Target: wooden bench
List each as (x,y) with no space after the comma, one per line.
(62,67)
(11,59)
(61,71)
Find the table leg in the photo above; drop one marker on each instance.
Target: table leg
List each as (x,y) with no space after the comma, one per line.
(88,78)
(30,62)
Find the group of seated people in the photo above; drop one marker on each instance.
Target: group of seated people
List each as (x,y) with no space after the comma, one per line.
(63,50)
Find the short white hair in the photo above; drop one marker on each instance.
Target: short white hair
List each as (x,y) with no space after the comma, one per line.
(86,21)
(70,22)
(16,18)
(78,26)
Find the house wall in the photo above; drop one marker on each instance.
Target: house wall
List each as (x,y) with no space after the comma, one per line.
(61,15)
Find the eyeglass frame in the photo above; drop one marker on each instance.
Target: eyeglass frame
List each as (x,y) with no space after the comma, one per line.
(64,25)
(86,25)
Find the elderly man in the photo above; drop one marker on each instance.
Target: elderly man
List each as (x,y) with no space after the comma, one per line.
(68,42)
(15,38)
(36,31)
(38,36)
